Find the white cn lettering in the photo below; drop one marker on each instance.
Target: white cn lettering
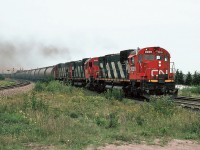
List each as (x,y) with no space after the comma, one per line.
(160,72)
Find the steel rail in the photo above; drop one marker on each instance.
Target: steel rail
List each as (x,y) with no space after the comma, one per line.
(188,102)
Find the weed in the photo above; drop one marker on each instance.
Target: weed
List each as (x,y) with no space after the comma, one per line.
(53,87)
(101,121)
(163,105)
(193,91)
(139,120)
(34,103)
(2,77)
(40,86)
(113,120)
(114,94)
(73,115)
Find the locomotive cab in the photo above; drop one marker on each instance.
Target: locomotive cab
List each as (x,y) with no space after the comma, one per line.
(91,67)
(150,72)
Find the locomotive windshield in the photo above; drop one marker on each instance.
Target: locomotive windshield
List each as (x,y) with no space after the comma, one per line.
(161,57)
(166,58)
(149,57)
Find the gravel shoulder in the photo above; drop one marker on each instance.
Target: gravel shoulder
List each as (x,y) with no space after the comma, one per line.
(17,90)
(172,145)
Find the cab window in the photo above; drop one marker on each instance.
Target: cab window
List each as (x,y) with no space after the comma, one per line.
(96,63)
(166,58)
(86,65)
(149,57)
(90,64)
(132,61)
(140,58)
(158,57)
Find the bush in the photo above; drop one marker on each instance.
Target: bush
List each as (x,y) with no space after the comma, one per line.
(2,77)
(53,86)
(110,121)
(163,105)
(114,94)
(39,86)
(190,91)
(195,90)
(34,103)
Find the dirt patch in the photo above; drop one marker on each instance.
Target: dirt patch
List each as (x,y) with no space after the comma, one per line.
(39,147)
(172,145)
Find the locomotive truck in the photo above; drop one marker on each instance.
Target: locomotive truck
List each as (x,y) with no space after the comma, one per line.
(137,72)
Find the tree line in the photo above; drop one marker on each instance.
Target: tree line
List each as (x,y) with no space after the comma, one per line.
(187,79)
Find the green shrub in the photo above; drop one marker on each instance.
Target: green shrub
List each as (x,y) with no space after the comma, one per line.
(113,120)
(114,94)
(53,86)
(195,90)
(190,91)
(139,120)
(73,115)
(34,103)
(101,121)
(163,104)
(40,86)
(110,121)
(2,77)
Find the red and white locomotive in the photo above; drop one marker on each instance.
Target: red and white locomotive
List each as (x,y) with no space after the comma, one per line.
(138,72)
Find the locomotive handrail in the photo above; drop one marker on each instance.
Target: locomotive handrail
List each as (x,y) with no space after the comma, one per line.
(172,69)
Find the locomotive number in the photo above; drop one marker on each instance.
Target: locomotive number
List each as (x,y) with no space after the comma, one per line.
(148,52)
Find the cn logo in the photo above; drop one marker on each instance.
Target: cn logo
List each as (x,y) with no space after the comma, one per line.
(156,72)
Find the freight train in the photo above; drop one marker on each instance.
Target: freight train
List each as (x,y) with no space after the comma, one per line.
(137,72)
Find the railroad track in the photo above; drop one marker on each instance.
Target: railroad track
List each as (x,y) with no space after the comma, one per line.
(18,84)
(188,102)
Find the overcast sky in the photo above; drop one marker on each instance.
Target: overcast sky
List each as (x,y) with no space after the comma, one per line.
(37,33)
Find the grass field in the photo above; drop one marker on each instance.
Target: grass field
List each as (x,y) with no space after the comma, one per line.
(6,83)
(66,117)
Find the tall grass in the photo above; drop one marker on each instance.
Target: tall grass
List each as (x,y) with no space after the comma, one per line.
(6,83)
(53,86)
(71,118)
(114,94)
(191,91)
(2,77)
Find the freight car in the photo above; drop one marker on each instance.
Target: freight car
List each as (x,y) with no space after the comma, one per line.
(137,72)
(39,74)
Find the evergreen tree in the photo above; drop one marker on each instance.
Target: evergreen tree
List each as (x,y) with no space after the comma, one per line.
(195,80)
(180,78)
(188,80)
(198,79)
(177,76)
